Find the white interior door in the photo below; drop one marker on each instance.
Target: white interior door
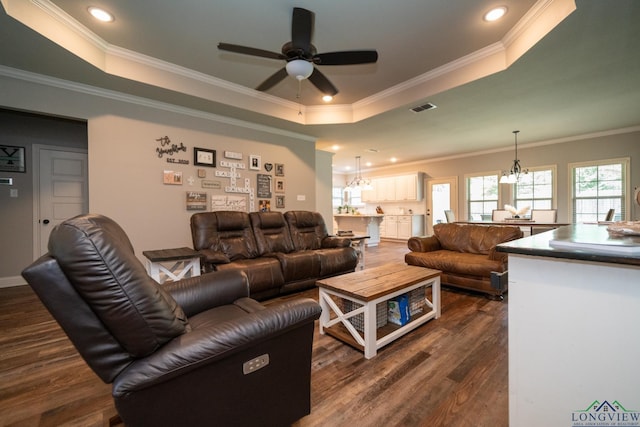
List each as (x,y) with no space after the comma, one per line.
(61,192)
(442,195)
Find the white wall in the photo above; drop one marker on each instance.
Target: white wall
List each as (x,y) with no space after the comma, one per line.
(125,173)
(589,148)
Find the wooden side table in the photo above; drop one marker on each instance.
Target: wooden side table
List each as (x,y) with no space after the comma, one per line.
(358,243)
(172,264)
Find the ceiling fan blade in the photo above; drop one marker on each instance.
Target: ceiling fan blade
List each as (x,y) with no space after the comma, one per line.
(275,78)
(250,51)
(301,28)
(346,58)
(323,84)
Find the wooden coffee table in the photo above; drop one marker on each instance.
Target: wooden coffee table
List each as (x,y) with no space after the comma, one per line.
(354,305)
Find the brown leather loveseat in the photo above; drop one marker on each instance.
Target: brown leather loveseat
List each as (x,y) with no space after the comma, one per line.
(280,253)
(465,253)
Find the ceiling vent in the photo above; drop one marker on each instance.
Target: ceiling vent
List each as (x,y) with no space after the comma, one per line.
(427,106)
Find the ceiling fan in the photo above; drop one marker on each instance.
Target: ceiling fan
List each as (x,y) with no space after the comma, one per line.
(301,56)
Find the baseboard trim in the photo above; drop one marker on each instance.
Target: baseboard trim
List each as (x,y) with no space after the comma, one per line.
(9,282)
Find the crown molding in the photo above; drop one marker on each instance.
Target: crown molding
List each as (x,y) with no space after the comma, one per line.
(144,102)
(52,22)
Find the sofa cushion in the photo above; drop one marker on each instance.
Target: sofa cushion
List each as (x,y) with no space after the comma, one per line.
(271,232)
(97,257)
(473,238)
(456,262)
(307,229)
(228,232)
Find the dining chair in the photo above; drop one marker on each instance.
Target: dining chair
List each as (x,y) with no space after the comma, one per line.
(610,215)
(500,215)
(544,215)
(450,215)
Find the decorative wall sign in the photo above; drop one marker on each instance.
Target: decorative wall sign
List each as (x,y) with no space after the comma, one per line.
(279,169)
(264,186)
(279,185)
(229,203)
(167,147)
(196,201)
(214,185)
(172,178)
(232,155)
(179,161)
(204,157)
(279,202)
(255,163)
(268,167)
(12,159)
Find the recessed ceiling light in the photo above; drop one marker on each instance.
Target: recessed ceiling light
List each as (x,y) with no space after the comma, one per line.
(393,160)
(369,164)
(495,14)
(327,98)
(335,147)
(101,14)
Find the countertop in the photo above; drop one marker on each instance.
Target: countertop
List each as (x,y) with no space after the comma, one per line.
(586,242)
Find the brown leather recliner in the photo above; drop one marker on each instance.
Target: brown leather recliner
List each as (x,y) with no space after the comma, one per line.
(197,352)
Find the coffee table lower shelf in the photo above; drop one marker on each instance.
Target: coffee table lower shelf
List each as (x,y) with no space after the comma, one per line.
(359,319)
(341,333)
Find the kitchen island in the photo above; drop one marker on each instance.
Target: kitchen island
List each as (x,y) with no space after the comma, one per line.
(361,224)
(574,343)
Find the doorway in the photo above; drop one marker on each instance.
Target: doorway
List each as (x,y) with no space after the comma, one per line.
(442,195)
(60,191)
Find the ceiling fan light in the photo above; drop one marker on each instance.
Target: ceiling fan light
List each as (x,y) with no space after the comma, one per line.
(300,69)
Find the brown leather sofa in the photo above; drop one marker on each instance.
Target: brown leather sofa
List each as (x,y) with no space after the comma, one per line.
(280,253)
(465,253)
(177,354)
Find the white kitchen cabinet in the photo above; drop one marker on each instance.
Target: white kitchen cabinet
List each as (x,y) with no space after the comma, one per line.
(402,226)
(395,188)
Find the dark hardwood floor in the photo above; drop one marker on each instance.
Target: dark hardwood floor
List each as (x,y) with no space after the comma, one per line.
(451,371)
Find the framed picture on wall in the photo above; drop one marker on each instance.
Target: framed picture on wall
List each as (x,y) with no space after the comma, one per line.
(279,202)
(279,169)
(255,162)
(12,159)
(204,157)
(279,185)
(172,178)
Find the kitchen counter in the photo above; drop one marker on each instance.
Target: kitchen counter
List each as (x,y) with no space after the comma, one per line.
(362,224)
(574,299)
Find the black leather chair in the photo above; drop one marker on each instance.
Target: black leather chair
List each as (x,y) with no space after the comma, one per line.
(197,352)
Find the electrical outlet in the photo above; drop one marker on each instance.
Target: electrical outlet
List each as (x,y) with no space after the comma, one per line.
(13,192)
(253,365)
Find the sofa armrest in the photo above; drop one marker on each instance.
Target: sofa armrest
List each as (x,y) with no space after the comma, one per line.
(335,242)
(498,256)
(200,293)
(213,257)
(423,244)
(214,342)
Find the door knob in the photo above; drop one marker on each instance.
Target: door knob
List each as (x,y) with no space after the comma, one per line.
(45,222)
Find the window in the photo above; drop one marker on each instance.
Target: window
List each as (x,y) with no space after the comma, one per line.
(536,189)
(482,196)
(598,187)
(336,197)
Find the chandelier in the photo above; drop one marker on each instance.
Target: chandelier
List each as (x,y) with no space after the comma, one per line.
(513,175)
(358,180)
